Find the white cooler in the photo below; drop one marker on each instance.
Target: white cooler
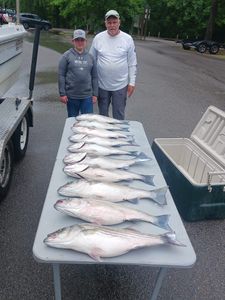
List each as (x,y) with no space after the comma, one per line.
(194,168)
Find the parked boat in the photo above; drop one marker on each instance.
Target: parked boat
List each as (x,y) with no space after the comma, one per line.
(11,48)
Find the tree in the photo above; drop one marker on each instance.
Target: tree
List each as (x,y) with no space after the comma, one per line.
(212,20)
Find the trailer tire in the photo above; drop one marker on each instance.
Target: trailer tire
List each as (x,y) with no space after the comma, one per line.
(214,49)
(20,138)
(6,169)
(201,48)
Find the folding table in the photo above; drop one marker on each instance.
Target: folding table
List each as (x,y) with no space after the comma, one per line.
(163,256)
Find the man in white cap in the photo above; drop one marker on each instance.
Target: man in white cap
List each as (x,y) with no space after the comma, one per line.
(114,52)
(77,77)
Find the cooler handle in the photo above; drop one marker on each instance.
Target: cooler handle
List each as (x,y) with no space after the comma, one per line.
(209,179)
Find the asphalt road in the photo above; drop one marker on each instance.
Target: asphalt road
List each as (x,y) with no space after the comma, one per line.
(174,88)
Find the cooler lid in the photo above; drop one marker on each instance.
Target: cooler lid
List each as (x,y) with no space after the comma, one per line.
(209,133)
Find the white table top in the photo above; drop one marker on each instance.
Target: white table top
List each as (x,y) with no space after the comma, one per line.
(163,256)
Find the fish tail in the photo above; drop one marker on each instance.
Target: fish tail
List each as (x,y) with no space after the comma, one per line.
(162,222)
(159,195)
(133,153)
(170,238)
(123,122)
(126,129)
(133,200)
(130,137)
(148,179)
(133,143)
(142,156)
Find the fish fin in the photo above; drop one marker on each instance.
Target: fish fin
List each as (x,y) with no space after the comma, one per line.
(142,156)
(118,145)
(130,137)
(126,129)
(112,129)
(96,254)
(133,153)
(149,179)
(131,229)
(133,143)
(124,168)
(134,200)
(159,195)
(162,222)
(125,122)
(170,237)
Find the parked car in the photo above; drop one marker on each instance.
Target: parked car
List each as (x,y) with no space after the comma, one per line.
(31,21)
(203,45)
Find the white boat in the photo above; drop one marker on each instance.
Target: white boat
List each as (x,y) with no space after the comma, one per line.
(11,48)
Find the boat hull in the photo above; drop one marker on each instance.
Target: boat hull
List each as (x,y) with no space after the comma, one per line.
(11,48)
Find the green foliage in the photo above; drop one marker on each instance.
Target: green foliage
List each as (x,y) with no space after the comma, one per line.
(179,17)
(89,14)
(169,17)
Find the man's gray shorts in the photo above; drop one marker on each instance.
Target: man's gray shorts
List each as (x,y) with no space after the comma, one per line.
(118,100)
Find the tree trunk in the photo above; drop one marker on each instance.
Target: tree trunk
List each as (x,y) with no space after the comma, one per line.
(211,22)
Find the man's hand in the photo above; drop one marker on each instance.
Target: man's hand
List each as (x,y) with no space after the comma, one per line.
(94,99)
(64,99)
(130,90)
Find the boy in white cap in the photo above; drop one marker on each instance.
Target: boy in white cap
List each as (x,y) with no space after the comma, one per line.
(114,52)
(77,77)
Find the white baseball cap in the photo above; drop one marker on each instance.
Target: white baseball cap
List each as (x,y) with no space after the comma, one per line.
(112,13)
(79,34)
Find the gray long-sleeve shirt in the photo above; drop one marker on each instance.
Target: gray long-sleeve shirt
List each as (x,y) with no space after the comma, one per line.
(77,75)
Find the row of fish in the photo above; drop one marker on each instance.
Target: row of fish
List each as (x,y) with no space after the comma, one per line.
(99,174)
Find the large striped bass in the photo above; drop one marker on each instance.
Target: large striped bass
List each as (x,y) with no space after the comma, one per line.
(104,175)
(99,241)
(100,125)
(91,139)
(103,212)
(102,161)
(113,192)
(100,118)
(94,149)
(103,133)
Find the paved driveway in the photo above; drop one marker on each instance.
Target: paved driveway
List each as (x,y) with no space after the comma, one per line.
(174,88)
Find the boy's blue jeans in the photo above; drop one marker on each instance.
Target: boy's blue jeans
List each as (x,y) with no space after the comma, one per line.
(76,106)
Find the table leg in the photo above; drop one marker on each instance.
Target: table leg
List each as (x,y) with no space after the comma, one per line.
(57,284)
(158,284)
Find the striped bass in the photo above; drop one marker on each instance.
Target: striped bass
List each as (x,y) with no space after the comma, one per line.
(113,192)
(100,118)
(107,213)
(104,162)
(91,139)
(94,149)
(99,241)
(100,125)
(100,174)
(102,133)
